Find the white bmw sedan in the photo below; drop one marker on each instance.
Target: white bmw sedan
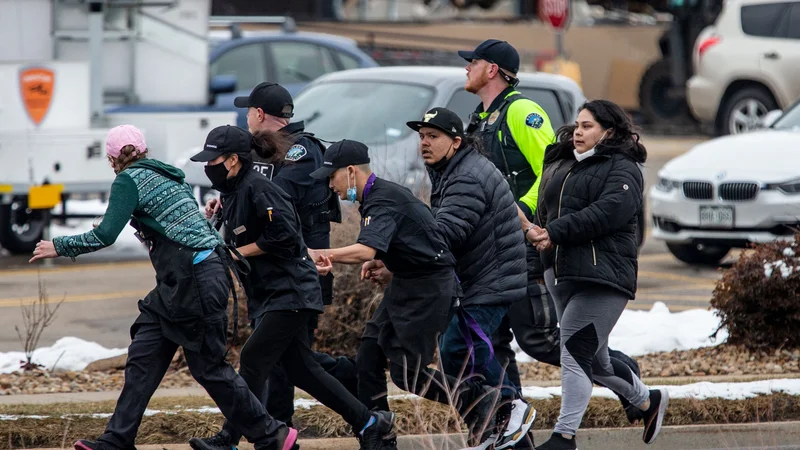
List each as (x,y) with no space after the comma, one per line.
(729,192)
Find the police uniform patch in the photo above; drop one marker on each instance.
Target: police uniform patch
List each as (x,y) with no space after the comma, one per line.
(296,152)
(493,117)
(534,120)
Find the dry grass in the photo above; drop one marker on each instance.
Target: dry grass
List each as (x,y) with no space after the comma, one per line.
(414,416)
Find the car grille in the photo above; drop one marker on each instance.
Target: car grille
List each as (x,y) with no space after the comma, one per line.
(738,192)
(698,190)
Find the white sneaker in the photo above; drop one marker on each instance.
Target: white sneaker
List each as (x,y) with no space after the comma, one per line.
(520,422)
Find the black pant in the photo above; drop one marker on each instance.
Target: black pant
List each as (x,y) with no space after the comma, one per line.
(280,390)
(150,354)
(149,357)
(282,337)
(425,382)
(501,341)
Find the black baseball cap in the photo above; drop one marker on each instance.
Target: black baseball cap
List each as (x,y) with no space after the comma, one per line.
(273,98)
(496,52)
(225,140)
(442,119)
(341,154)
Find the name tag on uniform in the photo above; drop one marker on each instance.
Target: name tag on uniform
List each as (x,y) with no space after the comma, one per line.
(239,230)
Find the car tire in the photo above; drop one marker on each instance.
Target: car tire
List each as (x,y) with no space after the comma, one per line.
(746,97)
(12,238)
(655,101)
(706,255)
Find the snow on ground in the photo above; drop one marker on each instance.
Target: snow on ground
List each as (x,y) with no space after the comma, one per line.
(659,330)
(697,391)
(68,353)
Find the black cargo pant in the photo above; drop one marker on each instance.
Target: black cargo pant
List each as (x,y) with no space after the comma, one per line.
(150,354)
(282,337)
(279,395)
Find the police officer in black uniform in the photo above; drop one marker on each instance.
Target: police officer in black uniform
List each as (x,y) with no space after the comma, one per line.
(287,154)
(282,292)
(399,232)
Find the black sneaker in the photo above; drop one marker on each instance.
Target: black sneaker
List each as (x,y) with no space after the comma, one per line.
(480,417)
(558,442)
(220,441)
(85,444)
(654,416)
(389,444)
(373,437)
(526,443)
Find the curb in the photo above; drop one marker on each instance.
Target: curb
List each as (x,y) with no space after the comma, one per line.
(780,435)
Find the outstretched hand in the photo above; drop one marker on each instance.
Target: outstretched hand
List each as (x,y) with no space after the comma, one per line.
(44,250)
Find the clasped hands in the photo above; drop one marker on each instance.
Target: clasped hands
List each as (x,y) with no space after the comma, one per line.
(539,238)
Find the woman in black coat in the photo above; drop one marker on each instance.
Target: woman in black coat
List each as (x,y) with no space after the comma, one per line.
(586,235)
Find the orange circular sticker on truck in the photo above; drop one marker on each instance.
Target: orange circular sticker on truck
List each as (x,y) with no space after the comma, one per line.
(36,86)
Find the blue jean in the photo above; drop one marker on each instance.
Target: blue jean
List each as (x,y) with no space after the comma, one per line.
(454,350)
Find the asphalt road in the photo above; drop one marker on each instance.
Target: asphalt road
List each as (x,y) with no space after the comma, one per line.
(100,291)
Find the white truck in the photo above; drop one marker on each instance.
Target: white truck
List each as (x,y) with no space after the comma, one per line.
(72,69)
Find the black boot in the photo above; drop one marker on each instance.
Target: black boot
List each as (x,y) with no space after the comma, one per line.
(481,401)
(85,444)
(559,442)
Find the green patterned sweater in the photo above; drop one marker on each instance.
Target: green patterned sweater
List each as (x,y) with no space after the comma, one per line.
(156,194)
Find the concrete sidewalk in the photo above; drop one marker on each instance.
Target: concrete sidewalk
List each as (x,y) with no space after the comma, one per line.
(764,436)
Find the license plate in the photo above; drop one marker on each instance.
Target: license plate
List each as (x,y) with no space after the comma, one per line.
(716,216)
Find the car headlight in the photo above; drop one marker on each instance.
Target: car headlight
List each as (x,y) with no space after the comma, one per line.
(667,185)
(791,187)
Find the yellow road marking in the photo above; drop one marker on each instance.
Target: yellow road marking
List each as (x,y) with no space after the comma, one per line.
(74,268)
(676,277)
(6,302)
(684,287)
(676,298)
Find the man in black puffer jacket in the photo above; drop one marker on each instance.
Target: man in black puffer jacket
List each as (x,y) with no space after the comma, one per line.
(476,214)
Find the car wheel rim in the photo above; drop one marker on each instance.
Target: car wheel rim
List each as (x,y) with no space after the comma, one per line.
(746,116)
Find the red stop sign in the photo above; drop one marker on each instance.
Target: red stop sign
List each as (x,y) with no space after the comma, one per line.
(554,12)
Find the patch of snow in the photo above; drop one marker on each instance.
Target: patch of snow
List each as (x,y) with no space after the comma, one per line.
(781,265)
(788,252)
(658,330)
(68,353)
(697,391)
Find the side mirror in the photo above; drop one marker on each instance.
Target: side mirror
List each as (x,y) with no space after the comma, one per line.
(223,84)
(771,118)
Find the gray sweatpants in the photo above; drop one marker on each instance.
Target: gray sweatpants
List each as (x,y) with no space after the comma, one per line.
(587,312)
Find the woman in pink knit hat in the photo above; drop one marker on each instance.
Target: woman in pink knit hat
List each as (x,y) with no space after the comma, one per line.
(188,306)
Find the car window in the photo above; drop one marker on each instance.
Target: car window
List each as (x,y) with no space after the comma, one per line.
(300,62)
(246,62)
(348,109)
(763,19)
(464,103)
(794,22)
(348,62)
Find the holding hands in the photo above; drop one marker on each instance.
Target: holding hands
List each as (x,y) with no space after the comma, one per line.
(539,237)
(321,260)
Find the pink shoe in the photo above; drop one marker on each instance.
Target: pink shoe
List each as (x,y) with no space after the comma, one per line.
(291,439)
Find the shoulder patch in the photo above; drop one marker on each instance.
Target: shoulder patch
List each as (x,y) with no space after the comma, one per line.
(296,152)
(534,121)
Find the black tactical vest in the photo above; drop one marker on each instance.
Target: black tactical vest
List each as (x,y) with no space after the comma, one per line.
(499,144)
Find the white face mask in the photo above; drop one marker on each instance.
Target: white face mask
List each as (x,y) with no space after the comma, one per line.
(588,153)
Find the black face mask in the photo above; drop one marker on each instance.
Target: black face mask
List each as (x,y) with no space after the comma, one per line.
(218,175)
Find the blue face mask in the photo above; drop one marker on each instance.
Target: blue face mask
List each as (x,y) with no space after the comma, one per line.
(351,191)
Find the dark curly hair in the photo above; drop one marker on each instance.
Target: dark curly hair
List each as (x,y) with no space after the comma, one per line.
(624,137)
